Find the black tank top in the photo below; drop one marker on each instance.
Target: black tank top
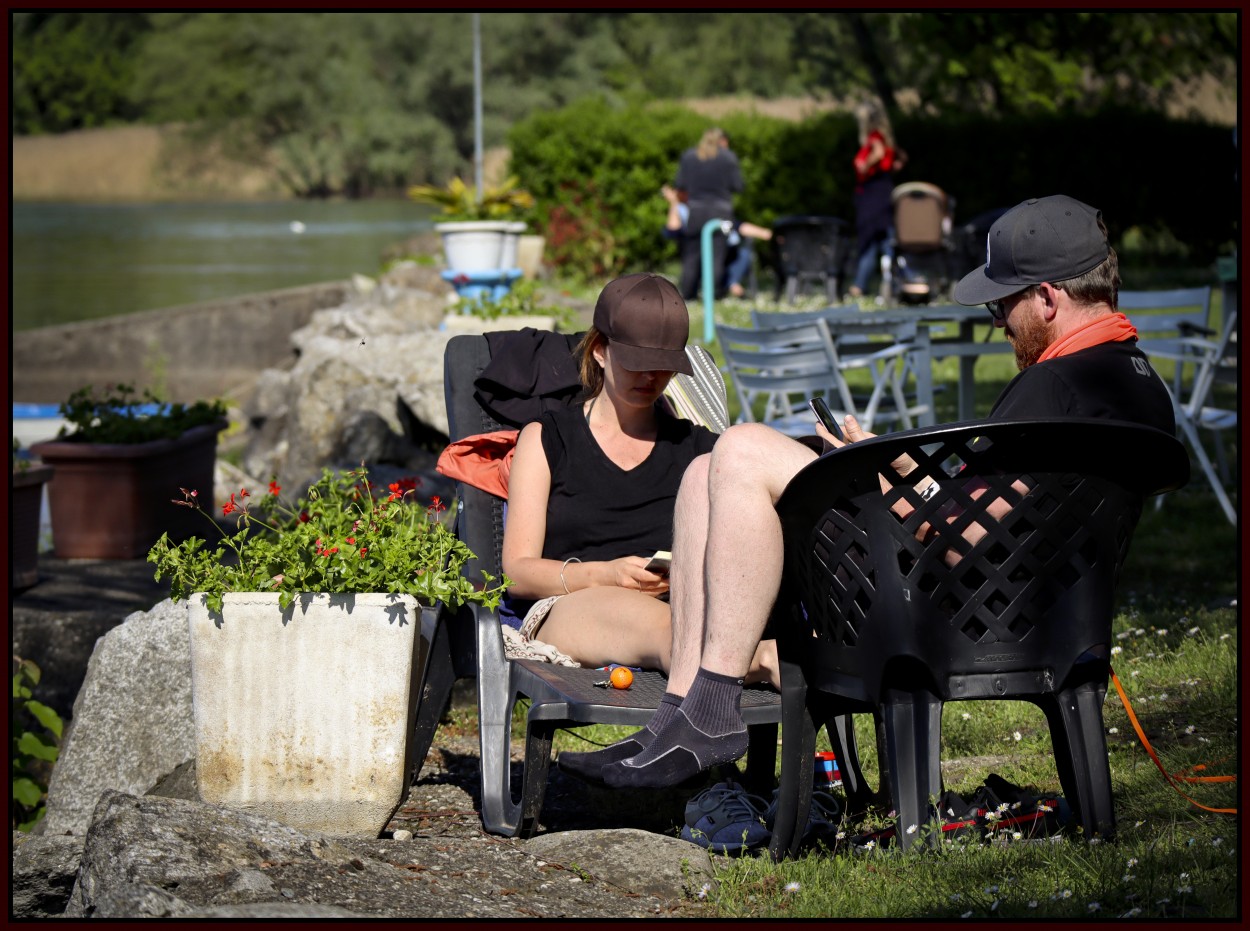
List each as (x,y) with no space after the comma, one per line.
(599,511)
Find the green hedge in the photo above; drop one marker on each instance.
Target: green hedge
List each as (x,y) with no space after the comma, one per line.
(596,169)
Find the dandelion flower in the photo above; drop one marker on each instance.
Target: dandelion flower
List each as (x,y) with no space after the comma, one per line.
(1017,736)
(1217,842)
(1191,631)
(1116,651)
(1113,730)
(792,887)
(1163,697)
(1190,729)
(1225,636)
(1066,894)
(1162,632)
(1094,907)
(704,890)
(911,829)
(1017,835)
(966,716)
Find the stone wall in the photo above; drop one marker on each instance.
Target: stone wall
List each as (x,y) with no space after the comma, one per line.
(194,351)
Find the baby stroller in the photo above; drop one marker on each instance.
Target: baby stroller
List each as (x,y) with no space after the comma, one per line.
(922,245)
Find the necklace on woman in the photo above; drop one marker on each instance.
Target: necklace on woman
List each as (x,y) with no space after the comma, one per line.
(591,408)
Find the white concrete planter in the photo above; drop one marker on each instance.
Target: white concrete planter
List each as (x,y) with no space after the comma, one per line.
(511,240)
(473,245)
(307,715)
(529,255)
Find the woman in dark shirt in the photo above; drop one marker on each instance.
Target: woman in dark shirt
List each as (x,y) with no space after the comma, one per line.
(592,487)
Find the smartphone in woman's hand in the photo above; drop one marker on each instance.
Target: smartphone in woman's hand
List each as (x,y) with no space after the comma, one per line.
(825,416)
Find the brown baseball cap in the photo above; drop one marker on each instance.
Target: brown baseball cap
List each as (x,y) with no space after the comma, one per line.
(646,323)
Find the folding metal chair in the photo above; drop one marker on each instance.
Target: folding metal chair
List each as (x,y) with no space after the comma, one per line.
(867,340)
(1215,367)
(1165,319)
(786,365)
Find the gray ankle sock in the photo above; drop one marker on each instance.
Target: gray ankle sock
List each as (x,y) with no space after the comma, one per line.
(664,712)
(714,703)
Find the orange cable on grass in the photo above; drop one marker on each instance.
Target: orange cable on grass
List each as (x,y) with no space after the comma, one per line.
(1172,779)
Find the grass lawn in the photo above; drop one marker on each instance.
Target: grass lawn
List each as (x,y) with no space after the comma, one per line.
(1176,654)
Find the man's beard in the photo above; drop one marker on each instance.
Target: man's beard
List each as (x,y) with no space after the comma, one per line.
(1029,339)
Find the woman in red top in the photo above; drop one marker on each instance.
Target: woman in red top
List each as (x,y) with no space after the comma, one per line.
(875,163)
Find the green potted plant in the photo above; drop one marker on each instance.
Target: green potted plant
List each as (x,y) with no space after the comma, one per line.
(118,449)
(309,627)
(478,235)
(29,478)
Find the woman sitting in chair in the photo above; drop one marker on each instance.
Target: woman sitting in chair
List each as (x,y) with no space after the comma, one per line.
(593,486)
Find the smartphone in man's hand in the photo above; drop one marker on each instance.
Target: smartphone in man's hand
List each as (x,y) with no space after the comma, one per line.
(825,416)
(660,562)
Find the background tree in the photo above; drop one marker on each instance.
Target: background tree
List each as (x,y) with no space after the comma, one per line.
(360,103)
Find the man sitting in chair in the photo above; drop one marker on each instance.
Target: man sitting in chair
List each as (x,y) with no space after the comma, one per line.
(1050,281)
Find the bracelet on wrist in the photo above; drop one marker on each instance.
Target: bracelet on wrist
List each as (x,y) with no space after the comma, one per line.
(562,568)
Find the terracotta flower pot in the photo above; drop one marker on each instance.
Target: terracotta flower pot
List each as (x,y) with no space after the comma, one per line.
(27,502)
(113,501)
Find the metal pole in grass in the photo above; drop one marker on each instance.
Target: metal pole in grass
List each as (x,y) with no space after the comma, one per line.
(705,236)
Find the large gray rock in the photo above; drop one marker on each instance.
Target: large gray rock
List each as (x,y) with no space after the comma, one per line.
(632,860)
(158,857)
(44,870)
(132,718)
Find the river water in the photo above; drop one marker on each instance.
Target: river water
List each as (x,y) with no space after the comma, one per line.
(84,261)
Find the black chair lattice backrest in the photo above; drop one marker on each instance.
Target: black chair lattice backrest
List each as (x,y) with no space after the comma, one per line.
(898,615)
(809,248)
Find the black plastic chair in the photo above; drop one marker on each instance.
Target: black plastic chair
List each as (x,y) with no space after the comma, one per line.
(809,249)
(878,621)
(470,644)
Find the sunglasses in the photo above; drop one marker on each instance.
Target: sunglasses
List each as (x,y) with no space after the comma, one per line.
(997,309)
(1000,308)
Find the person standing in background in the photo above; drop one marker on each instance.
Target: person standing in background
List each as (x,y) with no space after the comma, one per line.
(875,164)
(739,255)
(709,175)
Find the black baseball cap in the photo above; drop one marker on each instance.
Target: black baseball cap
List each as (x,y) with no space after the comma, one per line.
(1043,239)
(646,323)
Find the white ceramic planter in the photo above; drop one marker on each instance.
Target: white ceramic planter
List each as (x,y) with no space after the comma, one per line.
(307,715)
(473,245)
